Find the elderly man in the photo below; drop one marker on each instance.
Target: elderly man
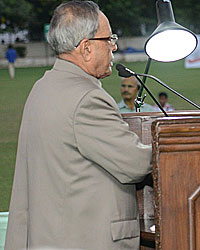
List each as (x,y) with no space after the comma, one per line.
(77,162)
(129,91)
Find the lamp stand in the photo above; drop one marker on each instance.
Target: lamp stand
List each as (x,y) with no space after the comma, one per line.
(139,101)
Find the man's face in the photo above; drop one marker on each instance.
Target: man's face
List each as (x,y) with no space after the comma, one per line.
(129,88)
(102,53)
(162,100)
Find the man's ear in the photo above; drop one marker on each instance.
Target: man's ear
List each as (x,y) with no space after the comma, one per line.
(86,49)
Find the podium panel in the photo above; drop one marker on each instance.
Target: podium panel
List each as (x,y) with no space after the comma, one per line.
(176,173)
(174,204)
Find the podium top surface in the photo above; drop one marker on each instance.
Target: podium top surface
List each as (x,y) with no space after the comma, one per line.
(160,114)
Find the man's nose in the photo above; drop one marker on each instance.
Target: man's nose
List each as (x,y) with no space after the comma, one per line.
(126,88)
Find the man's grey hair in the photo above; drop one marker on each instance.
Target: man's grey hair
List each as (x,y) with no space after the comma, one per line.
(72,22)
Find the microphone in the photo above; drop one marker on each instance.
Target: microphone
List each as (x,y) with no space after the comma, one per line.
(125,72)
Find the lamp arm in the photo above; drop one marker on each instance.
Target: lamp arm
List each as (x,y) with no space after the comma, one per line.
(169,88)
(144,78)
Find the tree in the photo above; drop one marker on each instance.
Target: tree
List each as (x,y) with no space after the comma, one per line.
(42,13)
(187,13)
(15,14)
(123,16)
(148,15)
(127,17)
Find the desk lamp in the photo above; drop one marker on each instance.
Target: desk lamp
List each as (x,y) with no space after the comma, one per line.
(169,42)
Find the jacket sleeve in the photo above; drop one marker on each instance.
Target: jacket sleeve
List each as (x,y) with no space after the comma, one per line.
(104,138)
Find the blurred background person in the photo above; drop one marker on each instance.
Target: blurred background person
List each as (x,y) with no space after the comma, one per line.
(11,56)
(129,90)
(163,100)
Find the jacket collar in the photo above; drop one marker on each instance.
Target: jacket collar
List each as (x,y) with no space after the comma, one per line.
(122,104)
(63,65)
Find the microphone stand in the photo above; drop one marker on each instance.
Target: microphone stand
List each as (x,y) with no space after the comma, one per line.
(151,95)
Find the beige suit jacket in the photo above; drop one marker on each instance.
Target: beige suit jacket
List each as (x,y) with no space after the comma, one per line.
(76,166)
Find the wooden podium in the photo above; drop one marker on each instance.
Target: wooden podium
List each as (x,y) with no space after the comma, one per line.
(173,205)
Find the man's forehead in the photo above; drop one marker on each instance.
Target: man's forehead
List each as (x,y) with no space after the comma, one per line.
(104,25)
(129,81)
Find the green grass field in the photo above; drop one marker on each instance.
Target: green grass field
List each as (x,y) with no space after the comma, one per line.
(13,94)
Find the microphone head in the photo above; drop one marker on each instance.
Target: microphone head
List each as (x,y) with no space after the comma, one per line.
(122,71)
(120,67)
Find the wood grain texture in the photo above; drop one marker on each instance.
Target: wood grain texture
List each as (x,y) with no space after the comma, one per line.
(194,208)
(176,171)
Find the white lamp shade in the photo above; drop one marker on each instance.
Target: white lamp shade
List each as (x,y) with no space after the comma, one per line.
(171,45)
